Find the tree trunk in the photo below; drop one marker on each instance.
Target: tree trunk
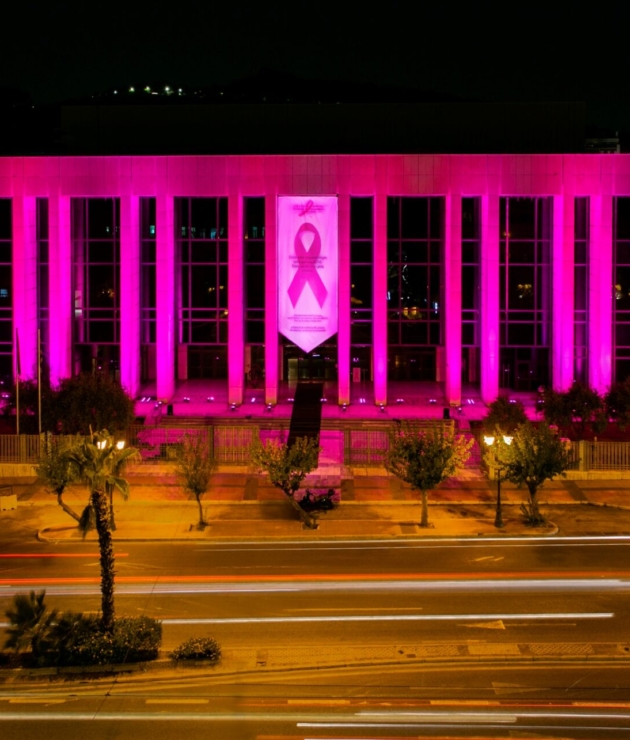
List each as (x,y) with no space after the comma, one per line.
(108,614)
(66,508)
(424,519)
(112,521)
(537,519)
(202,523)
(307,519)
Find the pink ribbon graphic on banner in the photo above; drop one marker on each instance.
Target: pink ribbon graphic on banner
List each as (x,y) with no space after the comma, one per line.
(307,271)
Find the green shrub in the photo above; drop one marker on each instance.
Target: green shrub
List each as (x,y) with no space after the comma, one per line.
(198,648)
(78,640)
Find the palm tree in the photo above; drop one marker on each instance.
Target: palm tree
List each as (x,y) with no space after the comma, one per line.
(98,462)
(30,622)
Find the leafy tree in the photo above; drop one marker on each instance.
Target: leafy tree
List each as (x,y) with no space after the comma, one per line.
(30,623)
(57,472)
(618,403)
(194,466)
(29,406)
(93,401)
(287,466)
(425,457)
(505,415)
(575,409)
(537,454)
(97,461)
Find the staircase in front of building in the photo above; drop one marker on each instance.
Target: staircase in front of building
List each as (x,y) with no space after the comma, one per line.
(306,417)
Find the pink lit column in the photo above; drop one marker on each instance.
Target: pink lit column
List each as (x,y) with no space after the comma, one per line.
(343,336)
(453,300)
(562,260)
(271,300)
(130,294)
(236,347)
(25,283)
(600,314)
(61,299)
(166,320)
(489,343)
(379,332)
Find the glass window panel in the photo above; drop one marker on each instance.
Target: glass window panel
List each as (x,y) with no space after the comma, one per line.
(361,286)
(5,218)
(468,334)
(360,218)
(623,218)
(203,218)
(393,218)
(581,335)
(470,218)
(101,252)
(5,252)
(101,221)
(522,252)
(203,332)
(43,286)
(414,288)
(361,332)
(581,218)
(623,253)
(101,286)
(521,334)
(521,287)
(204,289)
(223,252)
(42,218)
(622,334)
(223,218)
(469,286)
(436,218)
(414,252)
(223,332)
(203,252)
(413,332)
(101,332)
(255,287)
(581,288)
(254,220)
(579,253)
(361,252)
(434,333)
(147,218)
(393,332)
(148,286)
(415,218)
(223,286)
(148,251)
(522,217)
(470,252)
(254,252)
(393,252)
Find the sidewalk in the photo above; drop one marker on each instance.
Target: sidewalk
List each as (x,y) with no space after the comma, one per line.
(245,508)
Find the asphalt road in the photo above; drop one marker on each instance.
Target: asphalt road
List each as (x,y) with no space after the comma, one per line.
(339,597)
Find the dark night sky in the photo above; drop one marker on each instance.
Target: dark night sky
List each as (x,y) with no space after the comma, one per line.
(490,51)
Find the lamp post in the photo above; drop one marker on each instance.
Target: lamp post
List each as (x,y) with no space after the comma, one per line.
(498,518)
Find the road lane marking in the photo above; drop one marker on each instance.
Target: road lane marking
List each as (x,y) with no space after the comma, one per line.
(177,701)
(35,700)
(32,555)
(389,618)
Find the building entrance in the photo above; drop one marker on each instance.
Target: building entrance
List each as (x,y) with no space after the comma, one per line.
(320,364)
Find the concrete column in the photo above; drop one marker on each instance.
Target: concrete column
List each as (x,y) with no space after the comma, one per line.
(25,298)
(343,336)
(130,294)
(166,318)
(236,337)
(452,299)
(61,291)
(600,313)
(271,298)
(379,331)
(489,345)
(562,262)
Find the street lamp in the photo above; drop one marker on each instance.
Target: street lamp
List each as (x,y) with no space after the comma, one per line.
(498,519)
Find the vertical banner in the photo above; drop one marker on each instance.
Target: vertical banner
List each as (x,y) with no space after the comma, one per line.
(307,269)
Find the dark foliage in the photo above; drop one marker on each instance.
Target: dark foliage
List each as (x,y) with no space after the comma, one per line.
(198,648)
(505,415)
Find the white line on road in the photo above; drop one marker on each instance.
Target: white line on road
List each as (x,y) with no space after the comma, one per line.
(390,618)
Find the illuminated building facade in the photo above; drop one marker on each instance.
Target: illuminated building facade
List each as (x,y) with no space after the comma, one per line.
(496,271)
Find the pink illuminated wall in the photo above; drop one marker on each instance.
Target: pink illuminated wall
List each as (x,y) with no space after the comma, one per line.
(561,177)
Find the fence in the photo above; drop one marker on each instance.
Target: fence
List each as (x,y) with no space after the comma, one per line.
(369,446)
